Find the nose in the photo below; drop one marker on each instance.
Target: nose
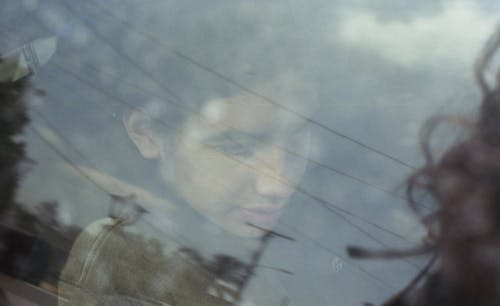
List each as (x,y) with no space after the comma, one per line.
(271,179)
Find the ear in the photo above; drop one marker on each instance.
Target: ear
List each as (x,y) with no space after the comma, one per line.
(140,132)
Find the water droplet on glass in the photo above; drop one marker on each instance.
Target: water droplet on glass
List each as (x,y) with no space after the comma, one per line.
(337,264)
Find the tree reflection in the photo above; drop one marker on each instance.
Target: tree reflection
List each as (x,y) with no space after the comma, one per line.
(13,118)
(34,244)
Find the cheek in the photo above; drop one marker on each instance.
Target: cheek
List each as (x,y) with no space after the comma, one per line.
(296,162)
(209,181)
(296,166)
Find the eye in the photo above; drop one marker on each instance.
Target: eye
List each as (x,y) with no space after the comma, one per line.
(233,143)
(236,149)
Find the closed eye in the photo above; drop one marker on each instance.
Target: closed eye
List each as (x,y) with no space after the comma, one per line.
(234,143)
(236,149)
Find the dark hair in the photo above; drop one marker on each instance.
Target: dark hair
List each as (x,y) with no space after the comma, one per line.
(464,230)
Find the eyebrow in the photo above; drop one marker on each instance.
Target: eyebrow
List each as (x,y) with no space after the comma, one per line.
(245,138)
(237,136)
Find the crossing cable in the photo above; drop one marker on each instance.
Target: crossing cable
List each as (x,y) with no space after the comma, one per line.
(328,205)
(319,200)
(82,173)
(343,258)
(324,203)
(87,177)
(330,168)
(332,208)
(317,163)
(243,87)
(67,160)
(178,102)
(298,188)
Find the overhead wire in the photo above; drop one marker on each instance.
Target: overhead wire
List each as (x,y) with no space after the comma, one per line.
(243,88)
(331,207)
(343,258)
(302,191)
(82,173)
(107,192)
(178,102)
(104,190)
(328,204)
(59,153)
(249,90)
(317,163)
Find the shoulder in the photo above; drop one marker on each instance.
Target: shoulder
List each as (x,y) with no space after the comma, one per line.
(110,259)
(88,249)
(110,241)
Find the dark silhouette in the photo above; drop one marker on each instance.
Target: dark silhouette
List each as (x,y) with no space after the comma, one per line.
(26,257)
(464,231)
(33,245)
(13,118)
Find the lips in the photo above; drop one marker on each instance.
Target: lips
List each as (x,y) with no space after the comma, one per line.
(261,216)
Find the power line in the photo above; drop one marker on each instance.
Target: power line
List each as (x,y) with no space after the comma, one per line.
(317,199)
(330,251)
(104,190)
(285,149)
(66,159)
(170,91)
(314,197)
(97,185)
(178,102)
(251,91)
(326,204)
(53,129)
(329,205)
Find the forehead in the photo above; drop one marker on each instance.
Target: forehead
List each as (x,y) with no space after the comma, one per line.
(278,106)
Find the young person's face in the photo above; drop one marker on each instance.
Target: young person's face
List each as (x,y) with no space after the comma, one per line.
(231,161)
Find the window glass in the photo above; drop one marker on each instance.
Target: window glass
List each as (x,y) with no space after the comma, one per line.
(223,152)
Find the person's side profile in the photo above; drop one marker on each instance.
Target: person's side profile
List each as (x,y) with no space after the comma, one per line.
(225,162)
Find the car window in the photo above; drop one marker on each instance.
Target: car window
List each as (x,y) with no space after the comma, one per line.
(223,152)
